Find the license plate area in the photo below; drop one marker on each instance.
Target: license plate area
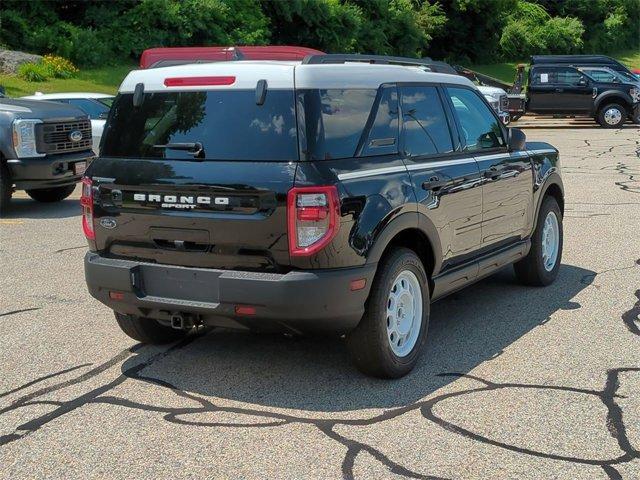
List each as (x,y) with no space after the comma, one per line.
(79,168)
(193,285)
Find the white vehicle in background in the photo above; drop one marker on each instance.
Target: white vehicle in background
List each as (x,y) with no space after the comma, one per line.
(498,99)
(95,105)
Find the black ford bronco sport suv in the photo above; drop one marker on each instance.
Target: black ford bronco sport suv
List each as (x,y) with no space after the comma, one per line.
(311,197)
(44,149)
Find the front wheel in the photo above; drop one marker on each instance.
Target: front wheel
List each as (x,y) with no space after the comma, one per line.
(148,330)
(612,115)
(540,267)
(50,195)
(387,341)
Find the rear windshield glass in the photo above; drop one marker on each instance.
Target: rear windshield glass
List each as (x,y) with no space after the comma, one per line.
(228,124)
(333,121)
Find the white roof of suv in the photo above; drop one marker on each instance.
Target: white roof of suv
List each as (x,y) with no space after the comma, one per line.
(280,75)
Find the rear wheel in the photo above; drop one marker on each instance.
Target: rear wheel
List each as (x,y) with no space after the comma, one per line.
(148,330)
(6,187)
(50,195)
(612,115)
(387,341)
(540,267)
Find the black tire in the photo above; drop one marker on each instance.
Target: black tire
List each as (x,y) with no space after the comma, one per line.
(531,270)
(611,106)
(148,330)
(6,187)
(368,343)
(50,195)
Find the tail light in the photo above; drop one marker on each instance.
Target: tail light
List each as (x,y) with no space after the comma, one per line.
(313,218)
(86,201)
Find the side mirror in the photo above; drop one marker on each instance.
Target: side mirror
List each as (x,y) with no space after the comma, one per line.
(583,82)
(505,118)
(517,139)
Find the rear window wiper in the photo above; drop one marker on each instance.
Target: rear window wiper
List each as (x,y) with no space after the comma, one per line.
(195,148)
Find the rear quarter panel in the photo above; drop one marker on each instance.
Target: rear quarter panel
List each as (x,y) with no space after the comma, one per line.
(369,203)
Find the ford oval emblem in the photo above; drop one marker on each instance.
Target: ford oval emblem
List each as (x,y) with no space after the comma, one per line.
(109,223)
(75,136)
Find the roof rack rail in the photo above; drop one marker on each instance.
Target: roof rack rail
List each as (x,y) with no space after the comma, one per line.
(337,58)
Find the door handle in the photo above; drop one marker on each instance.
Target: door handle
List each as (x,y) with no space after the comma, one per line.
(559,90)
(492,173)
(434,184)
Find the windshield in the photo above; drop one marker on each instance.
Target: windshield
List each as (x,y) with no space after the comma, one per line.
(93,108)
(228,124)
(627,77)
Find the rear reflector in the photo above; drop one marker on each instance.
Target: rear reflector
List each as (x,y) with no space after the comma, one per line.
(86,202)
(198,81)
(116,295)
(245,310)
(358,284)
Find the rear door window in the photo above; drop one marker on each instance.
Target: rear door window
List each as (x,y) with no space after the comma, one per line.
(478,124)
(425,128)
(228,124)
(332,121)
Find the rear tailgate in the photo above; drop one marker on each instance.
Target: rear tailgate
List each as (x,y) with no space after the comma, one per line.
(198,175)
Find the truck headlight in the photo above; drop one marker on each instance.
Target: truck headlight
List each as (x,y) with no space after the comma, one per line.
(635,94)
(24,138)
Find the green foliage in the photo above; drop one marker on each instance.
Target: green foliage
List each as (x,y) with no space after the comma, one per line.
(95,33)
(34,72)
(531,30)
(328,25)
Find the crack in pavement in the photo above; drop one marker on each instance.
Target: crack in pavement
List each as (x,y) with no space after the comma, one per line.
(13,312)
(589,277)
(614,422)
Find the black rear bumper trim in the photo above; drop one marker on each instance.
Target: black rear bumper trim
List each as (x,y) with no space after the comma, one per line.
(301,301)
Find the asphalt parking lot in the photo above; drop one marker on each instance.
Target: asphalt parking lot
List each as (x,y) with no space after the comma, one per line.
(515,382)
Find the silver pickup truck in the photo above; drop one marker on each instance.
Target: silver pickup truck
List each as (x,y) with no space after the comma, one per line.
(45,148)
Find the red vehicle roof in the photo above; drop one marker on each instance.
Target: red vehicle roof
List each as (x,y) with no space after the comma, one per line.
(164,57)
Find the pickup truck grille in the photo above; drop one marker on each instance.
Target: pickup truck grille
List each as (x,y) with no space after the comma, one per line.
(56,137)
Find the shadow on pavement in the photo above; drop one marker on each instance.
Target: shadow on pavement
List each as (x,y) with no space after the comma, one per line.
(27,208)
(315,374)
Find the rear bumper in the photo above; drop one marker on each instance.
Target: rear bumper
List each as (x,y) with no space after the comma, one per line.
(299,301)
(47,172)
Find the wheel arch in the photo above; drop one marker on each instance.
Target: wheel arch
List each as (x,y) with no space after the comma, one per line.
(413,231)
(552,187)
(607,98)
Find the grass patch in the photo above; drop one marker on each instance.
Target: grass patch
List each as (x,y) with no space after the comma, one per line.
(505,71)
(631,58)
(101,80)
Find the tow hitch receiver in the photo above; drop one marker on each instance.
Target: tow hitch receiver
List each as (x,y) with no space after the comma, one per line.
(182,322)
